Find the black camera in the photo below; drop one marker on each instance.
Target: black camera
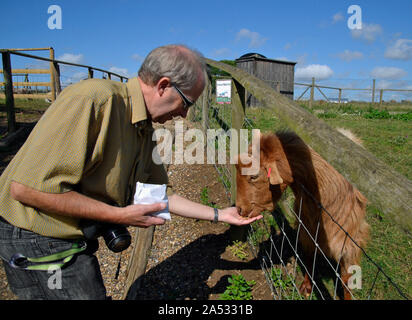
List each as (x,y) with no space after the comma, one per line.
(116,236)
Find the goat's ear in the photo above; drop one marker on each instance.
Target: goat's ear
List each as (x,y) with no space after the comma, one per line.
(273,172)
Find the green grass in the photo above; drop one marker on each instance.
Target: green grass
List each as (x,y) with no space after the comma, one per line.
(25,110)
(386,133)
(29,105)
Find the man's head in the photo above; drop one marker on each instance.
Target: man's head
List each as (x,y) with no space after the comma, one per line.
(172,78)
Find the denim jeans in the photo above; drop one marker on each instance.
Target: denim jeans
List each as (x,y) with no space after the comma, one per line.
(80,279)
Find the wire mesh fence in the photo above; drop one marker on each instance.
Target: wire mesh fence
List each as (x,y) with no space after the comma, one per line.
(275,241)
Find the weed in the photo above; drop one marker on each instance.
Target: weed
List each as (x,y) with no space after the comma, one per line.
(239,289)
(204,198)
(239,249)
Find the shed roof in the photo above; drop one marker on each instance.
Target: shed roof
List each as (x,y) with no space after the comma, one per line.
(259,57)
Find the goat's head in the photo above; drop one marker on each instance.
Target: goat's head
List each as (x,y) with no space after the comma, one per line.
(259,191)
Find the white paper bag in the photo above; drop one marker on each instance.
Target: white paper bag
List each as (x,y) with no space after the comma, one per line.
(147,193)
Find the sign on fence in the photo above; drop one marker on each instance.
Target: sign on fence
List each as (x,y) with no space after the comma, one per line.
(223,91)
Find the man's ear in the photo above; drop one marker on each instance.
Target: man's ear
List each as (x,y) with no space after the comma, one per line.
(273,173)
(162,84)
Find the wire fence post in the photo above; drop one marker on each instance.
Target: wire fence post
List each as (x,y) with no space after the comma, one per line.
(312,93)
(381,97)
(205,104)
(52,76)
(238,115)
(8,87)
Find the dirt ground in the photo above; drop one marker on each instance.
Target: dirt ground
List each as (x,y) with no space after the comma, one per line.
(189,259)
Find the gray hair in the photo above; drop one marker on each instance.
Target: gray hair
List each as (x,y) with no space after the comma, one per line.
(182,65)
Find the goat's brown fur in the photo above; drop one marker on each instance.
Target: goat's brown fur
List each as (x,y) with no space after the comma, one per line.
(297,165)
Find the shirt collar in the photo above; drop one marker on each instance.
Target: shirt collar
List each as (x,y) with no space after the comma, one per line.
(136,100)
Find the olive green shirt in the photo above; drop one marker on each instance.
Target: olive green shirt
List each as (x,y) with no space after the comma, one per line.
(95,139)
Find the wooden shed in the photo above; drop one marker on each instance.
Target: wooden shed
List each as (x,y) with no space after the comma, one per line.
(279,74)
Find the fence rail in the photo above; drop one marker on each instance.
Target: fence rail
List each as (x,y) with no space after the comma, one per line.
(54,72)
(373,90)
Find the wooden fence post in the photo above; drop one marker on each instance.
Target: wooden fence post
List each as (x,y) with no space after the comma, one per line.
(138,260)
(90,73)
(312,93)
(340,95)
(380,97)
(52,76)
(205,104)
(57,85)
(8,87)
(238,115)
(373,91)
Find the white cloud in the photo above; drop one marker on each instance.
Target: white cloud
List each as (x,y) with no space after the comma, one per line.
(70,57)
(319,72)
(255,39)
(388,73)
(368,33)
(121,71)
(348,55)
(401,50)
(337,17)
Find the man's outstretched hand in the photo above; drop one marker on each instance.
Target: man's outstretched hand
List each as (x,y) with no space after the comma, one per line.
(231,215)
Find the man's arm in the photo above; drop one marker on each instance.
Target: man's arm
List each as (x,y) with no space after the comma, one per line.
(74,204)
(189,209)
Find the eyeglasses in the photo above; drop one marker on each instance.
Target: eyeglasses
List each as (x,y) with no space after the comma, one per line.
(187,102)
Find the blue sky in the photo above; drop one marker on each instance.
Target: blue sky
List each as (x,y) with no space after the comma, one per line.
(117,35)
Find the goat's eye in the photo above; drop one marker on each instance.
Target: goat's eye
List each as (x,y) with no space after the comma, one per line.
(255,177)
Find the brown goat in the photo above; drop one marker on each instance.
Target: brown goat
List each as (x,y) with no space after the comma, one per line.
(285,160)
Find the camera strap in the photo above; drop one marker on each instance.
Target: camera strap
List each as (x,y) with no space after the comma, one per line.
(51,262)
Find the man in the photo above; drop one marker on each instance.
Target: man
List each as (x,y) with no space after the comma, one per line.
(82,161)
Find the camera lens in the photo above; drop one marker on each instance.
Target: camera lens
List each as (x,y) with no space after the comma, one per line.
(117,239)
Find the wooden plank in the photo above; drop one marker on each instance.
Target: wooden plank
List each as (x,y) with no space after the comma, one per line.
(57,61)
(385,188)
(138,260)
(29,95)
(28,71)
(30,49)
(29,84)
